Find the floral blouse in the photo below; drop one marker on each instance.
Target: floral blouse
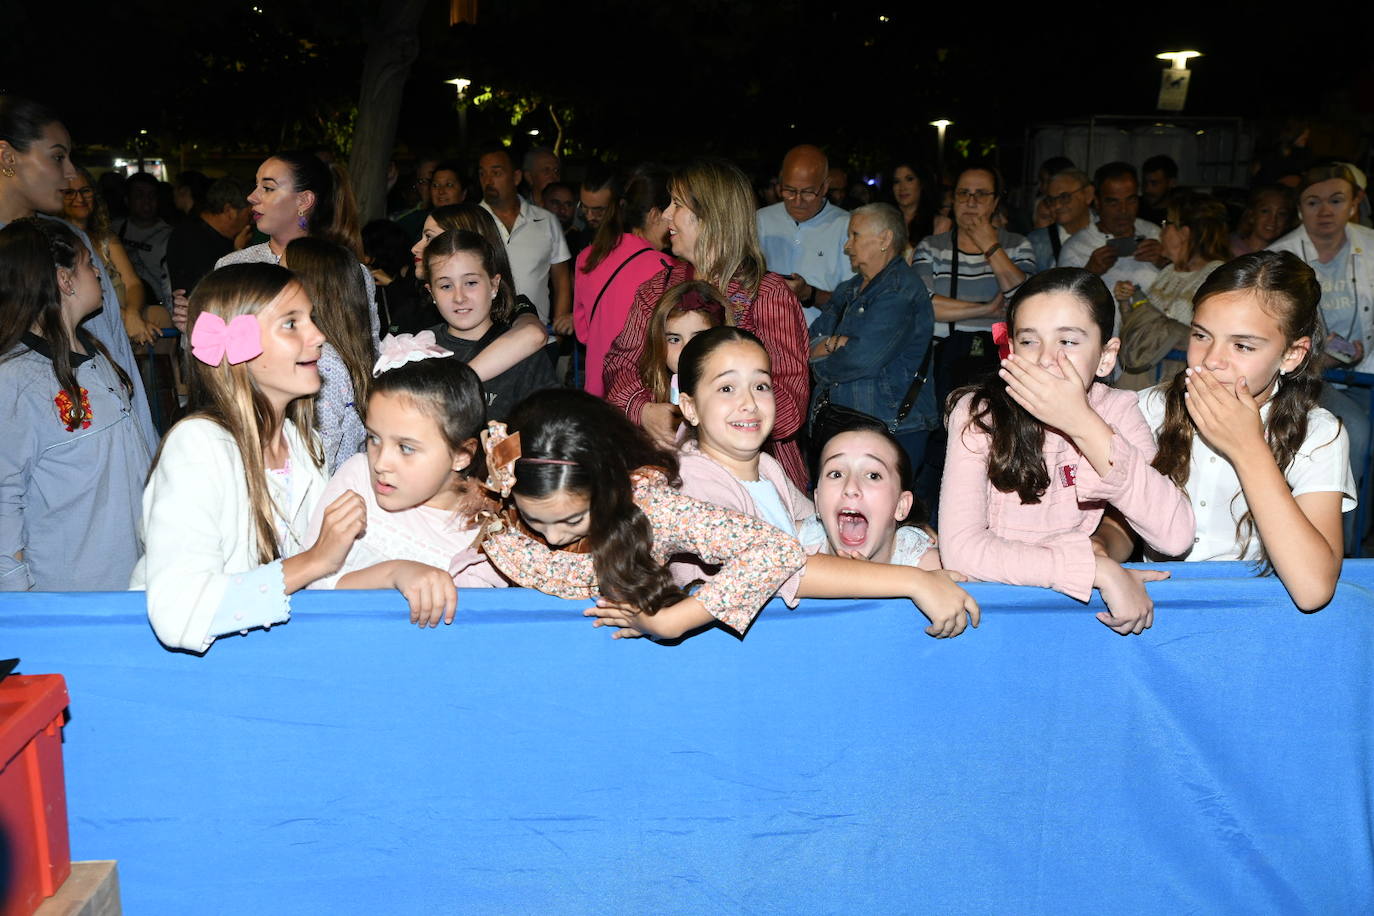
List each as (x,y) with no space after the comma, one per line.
(756,557)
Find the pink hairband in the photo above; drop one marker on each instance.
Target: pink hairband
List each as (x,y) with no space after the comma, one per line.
(212,340)
(503,451)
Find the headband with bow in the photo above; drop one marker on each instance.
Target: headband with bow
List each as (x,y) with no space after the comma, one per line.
(212,340)
(398,349)
(503,451)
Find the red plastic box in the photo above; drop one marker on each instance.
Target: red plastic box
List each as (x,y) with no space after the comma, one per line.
(35,856)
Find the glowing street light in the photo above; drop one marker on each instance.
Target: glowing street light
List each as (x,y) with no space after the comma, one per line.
(461,84)
(1179,59)
(1173,82)
(940,126)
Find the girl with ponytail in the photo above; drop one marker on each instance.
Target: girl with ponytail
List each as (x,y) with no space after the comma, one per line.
(1266,469)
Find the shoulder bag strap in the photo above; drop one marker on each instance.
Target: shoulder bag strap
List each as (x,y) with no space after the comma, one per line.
(953,266)
(917,383)
(615,273)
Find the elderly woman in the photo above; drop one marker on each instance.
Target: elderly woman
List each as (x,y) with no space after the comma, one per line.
(1157,320)
(713,232)
(1341,252)
(870,345)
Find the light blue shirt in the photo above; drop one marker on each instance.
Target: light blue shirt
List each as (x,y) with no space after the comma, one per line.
(814,249)
(769,503)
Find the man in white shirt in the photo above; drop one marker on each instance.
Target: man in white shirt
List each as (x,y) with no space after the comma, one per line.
(1119,246)
(803,235)
(538,253)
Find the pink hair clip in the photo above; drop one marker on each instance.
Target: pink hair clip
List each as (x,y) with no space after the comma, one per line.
(398,349)
(212,340)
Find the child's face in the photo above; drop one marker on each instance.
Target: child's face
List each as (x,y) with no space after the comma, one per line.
(859,496)
(84,281)
(287,367)
(411,462)
(560,518)
(1056,322)
(679,330)
(733,407)
(1236,338)
(464,292)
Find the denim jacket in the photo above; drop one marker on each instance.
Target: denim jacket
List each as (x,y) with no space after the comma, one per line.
(889,326)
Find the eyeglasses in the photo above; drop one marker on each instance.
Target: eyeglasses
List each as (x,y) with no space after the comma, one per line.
(83,193)
(805,195)
(1059,200)
(592,211)
(964,194)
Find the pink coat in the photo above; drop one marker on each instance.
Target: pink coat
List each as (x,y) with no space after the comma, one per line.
(705,479)
(992,536)
(599,331)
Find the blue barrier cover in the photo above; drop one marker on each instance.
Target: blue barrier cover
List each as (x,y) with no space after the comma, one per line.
(837,760)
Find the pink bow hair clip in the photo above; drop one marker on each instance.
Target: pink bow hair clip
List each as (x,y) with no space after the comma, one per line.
(212,340)
(1002,339)
(398,349)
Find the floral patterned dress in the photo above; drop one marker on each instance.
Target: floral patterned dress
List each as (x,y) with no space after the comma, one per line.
(756,558)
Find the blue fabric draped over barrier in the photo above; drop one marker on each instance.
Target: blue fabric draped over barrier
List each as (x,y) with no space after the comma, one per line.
(836,760)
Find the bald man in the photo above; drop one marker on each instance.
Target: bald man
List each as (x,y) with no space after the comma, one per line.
(803,235)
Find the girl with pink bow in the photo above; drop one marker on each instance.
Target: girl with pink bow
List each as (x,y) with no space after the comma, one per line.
(232,489)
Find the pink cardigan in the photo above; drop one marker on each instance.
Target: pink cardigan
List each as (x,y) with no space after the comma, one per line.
(705,479)
(599,332)
(991,536)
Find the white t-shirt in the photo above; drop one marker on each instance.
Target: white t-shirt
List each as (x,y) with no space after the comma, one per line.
(1322,465)
(770,505)
(422,534)
(909,543)
(534,243)
(1080,248)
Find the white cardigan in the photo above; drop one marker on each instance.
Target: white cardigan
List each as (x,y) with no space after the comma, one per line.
(200,541)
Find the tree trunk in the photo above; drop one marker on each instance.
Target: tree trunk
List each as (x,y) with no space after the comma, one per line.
(394,45)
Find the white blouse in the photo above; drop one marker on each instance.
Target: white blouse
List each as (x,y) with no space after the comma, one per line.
(1322,465)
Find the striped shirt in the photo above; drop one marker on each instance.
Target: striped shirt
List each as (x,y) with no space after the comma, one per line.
(977,283)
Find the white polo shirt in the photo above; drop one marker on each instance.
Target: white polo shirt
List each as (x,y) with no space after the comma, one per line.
(534,243)
(813,249)
(1078,249)
(1322,465)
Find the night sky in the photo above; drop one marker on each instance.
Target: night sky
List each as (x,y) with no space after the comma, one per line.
(742,79)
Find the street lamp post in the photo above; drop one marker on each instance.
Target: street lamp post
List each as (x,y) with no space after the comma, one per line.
(461,84)
(1173,82)
(940,126)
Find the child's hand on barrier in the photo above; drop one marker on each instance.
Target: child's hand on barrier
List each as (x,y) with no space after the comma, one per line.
(1130,609)
(948,607)
(429,591)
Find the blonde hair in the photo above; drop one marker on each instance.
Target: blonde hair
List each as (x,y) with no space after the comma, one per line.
(228,396)
(728,242)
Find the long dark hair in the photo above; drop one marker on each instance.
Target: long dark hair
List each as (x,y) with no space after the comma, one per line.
(447,244)
(922,222)
(335,214)
(449,392)
(331,279)
(31,251)
(1016,461)
(604,449)
(1288,290)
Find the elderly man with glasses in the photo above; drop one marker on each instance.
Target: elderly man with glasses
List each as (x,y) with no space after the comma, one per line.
(1069,197)
(803,235)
